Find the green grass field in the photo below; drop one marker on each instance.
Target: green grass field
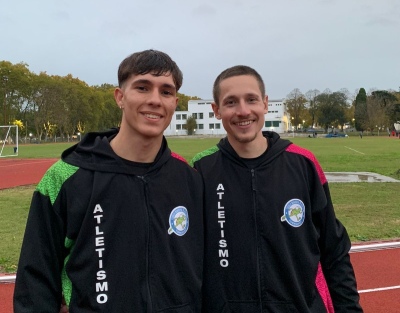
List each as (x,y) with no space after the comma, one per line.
(370,211)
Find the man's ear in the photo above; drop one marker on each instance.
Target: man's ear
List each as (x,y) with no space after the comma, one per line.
(266,104)
(176,104)
(215,108)
(118,96)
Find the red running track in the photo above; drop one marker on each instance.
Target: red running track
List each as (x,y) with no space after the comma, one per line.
(377,272)
(19,172)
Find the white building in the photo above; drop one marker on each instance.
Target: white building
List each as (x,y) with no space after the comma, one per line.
(276,119)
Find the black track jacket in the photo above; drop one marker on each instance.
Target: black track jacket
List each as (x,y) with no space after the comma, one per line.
(267,229)
(111,240)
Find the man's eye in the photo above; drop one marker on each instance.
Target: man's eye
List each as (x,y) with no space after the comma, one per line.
(141,88)
(167,92)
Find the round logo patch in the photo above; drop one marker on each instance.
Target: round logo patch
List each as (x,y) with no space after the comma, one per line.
(178,221)
(294,213)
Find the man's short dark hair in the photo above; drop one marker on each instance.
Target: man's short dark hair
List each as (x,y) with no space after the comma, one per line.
(149,61)
(237,70)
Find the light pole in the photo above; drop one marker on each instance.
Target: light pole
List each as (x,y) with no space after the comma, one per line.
(5,80)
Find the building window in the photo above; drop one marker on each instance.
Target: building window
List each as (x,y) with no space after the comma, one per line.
(268,123)
(200,126)
(211,126)
(184,126)
(178,116)
(211,114)
(275,123)
(184,116)
(200,116)
(178,126)
(217,126)
(194,115)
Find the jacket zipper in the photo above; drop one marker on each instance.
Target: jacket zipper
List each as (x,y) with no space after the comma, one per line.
(149,302)
(254,189)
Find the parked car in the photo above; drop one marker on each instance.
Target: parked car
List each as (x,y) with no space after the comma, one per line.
(334,135)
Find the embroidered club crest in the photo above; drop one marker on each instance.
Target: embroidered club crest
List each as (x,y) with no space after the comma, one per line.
(294,213)
(178,221)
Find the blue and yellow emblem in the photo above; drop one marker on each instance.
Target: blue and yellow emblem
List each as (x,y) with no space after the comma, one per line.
(294,213)
(178,221)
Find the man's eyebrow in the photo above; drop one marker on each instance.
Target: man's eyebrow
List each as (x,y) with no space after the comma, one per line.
(148,82)
(252,94)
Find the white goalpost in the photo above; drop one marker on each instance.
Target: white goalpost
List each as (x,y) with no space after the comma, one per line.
(8,140)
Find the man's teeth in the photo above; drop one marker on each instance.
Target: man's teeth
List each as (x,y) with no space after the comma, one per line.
(152,116)
(244,123)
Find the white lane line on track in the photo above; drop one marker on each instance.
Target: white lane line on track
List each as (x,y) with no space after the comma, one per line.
(379,289)
(375,246)
(7,279)
(29,163)
(354,150)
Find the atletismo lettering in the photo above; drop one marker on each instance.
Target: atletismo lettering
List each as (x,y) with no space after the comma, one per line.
(101,283)
(223,251)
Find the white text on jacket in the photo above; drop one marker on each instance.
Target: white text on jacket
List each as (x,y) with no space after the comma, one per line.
(223,251)
(101,283)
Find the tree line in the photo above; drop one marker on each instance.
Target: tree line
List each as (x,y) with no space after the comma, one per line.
(51,106)
(379,109)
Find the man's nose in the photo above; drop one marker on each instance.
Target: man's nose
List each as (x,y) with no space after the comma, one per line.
(243,108)
(155,97)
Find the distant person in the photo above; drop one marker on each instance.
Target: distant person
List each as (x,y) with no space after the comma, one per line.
(108,228)
(270,226)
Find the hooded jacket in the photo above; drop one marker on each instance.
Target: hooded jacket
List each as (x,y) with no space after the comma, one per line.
(110,239)
(269,223)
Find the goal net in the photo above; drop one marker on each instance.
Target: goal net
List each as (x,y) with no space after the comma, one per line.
(8,141)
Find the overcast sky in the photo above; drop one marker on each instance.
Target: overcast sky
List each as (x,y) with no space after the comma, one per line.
(305,44)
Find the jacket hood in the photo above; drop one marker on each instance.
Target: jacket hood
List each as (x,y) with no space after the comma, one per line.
(276,147)
(94,152)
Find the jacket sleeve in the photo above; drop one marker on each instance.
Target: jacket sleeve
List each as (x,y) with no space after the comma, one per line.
(38,281)
(335,259)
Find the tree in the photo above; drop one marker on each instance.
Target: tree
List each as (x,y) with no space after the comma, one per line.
(331,109)
(183,101)
(110,113)
(311,96)
(191,125)
(387,104)
(360,110)
(295,104)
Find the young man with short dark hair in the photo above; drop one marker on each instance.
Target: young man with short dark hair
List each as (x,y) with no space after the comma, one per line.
(108,227)
(270,225)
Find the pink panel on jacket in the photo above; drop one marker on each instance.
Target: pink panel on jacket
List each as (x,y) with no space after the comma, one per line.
(299,150)
(320,279)
(177,156)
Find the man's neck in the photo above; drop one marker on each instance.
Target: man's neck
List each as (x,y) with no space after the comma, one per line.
(252,149)
(136,149)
